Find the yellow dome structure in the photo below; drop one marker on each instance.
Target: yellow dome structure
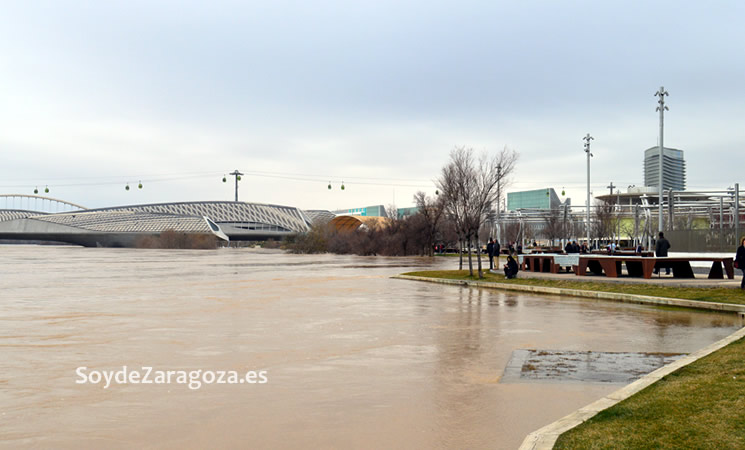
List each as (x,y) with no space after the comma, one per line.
(352,223)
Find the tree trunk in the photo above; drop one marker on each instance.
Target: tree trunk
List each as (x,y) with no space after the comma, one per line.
(470,257)
(478,253)
(460,254)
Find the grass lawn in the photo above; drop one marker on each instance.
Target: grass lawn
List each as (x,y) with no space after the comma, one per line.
(698,406)
(721,295)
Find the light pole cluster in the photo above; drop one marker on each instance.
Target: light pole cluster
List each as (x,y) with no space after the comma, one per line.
(661,108)
(587,140)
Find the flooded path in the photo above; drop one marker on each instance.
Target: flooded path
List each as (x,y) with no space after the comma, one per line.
(353,359)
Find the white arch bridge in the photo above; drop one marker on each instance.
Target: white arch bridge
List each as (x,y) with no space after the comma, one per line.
(37,203)
(38,218)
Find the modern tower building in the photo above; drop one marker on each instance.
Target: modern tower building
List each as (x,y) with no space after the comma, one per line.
(673,168)
(535,199)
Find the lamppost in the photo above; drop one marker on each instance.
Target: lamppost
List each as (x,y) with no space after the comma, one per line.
(587,140)
(499,199)
(661,108)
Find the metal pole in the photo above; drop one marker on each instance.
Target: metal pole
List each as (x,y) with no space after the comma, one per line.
(661,94)
(737,213)
(499,200)
(670,208)
(618,217)
(237,176)
(721,214)
(587,140)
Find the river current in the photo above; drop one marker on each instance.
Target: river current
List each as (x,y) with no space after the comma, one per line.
(351,358)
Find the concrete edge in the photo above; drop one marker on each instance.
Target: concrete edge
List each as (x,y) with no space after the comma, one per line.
(613,296)
(545,438)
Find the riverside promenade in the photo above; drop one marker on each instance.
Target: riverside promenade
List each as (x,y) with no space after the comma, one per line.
(700,281)
(545,437)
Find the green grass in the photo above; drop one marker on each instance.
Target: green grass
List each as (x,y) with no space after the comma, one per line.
(698,406)
(721,295)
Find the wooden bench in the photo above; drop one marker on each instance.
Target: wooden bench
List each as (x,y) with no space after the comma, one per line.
(637,266)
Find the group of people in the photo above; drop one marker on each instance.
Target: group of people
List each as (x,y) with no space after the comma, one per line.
(493,248)
(574,247)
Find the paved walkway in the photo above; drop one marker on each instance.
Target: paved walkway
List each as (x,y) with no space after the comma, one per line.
(701,280)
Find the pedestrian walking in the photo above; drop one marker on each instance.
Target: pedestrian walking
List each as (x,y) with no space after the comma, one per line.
(490,252)
(660,251)
(497,250)
(740,260)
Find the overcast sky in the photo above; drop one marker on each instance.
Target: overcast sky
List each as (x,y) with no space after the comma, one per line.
(297,94)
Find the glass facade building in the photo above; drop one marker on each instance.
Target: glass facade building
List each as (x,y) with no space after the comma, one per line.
(673,168)
(536,199)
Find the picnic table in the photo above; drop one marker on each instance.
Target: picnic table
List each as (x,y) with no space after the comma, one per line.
(547,262)
(622,253)
(638,266)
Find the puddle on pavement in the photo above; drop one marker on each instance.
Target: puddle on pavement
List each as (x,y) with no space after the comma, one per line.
(583,366)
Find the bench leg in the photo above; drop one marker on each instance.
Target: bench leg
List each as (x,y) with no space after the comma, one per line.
(682,269)
(716,270)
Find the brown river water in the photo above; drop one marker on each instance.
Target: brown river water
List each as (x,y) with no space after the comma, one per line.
(351,357)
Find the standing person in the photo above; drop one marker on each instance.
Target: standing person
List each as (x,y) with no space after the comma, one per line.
(740,261)
(490,252)
(660,250)
(497,250)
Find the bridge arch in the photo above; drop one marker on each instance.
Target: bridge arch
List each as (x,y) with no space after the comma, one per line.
(37,203)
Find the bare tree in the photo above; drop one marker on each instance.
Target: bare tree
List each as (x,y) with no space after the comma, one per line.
(603,224)
(470,189)
(431,210)
(554,225)
(512,232)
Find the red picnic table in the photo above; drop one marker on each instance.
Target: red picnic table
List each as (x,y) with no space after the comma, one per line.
(639,266)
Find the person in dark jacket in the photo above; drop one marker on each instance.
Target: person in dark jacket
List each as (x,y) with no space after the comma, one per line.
(660,250)
(490,252)
(740,261)
(510,269)
(497,250)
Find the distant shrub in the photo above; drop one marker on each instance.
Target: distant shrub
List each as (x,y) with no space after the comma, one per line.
(271,243)
(172,239)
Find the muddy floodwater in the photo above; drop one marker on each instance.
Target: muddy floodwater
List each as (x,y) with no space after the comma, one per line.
(350,358)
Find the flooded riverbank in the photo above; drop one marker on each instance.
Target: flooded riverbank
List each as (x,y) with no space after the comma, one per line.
(353,359)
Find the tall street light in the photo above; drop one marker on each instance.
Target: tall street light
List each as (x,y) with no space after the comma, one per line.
(499,198)
(587,140)
(661,108)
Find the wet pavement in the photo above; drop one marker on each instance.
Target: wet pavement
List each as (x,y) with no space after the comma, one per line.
(586,366)
(353,358)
